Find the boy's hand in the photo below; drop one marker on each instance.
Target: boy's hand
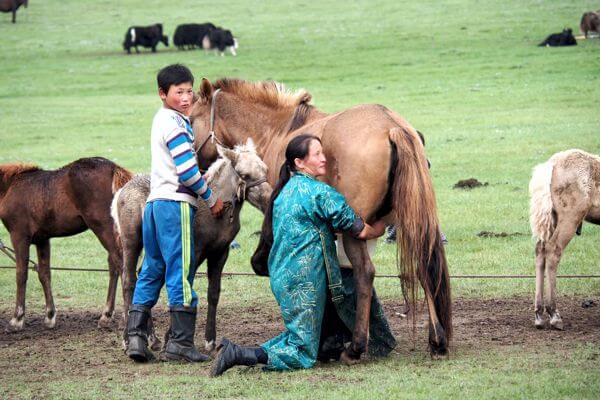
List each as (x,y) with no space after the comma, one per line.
(217,209)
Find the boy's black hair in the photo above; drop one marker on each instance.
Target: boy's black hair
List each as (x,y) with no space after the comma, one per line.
(174,74)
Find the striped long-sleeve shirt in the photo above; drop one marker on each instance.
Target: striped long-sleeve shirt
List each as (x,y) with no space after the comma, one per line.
(175,174)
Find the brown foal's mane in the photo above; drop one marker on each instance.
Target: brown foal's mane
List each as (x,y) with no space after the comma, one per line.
(9,171)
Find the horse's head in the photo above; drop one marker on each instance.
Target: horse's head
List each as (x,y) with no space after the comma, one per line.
(205,145)
(235,110)
(251,174)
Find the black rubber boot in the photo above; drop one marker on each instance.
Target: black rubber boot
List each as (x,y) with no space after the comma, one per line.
(137,332)
(180,345)
(230,354)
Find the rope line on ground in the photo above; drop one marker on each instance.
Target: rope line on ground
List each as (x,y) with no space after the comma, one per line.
(376,276)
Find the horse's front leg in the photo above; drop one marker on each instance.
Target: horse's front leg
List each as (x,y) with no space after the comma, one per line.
(21,246)
(215,264)
(43,252)
(540,267)
(364,273)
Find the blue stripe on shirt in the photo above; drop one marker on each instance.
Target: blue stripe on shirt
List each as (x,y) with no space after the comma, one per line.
(190,172)
(183,157)
(177,140)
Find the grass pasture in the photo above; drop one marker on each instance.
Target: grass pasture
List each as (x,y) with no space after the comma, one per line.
(466,73)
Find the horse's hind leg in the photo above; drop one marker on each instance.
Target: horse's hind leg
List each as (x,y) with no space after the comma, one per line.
(104,232)
(540,267)
(565,230)
(215,264)
(364,273)
(43,252)
(21,246)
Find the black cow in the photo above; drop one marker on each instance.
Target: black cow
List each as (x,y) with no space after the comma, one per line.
(146,36)
(220,39)
(590,22)
(12,6)
(190,35)
(565,38)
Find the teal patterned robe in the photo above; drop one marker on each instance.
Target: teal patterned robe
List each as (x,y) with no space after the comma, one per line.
(304,214)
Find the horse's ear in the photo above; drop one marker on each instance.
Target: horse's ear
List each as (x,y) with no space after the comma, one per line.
(206,90)
(305,98)
(227,153)
(250,145)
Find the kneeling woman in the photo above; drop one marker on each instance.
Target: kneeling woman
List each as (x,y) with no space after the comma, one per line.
(304,213)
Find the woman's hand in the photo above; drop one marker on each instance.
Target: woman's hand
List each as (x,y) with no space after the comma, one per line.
(372,231)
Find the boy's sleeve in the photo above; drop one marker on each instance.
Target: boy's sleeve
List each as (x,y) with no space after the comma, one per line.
(180,147)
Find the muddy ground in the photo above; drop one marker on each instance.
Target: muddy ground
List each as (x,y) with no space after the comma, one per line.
(76,344)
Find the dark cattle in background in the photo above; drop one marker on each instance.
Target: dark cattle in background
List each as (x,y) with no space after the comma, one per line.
(220,39)
(565,38)
(12,6)
(590,22)
(190,35)
(145,36)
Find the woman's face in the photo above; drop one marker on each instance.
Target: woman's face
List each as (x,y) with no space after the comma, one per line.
(315,162)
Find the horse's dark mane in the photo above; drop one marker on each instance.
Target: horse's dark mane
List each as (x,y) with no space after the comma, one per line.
(9,171)
(271,94)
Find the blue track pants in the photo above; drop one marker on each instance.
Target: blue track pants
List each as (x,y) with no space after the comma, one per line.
(169,254)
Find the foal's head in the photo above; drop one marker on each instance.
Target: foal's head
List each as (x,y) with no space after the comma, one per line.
(241,173)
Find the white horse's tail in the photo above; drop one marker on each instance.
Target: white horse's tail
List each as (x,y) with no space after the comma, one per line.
(540,206)
(114,212)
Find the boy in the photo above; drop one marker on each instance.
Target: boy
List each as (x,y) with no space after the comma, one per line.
(175,185)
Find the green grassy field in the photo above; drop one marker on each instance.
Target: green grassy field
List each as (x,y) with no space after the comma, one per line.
(466,73)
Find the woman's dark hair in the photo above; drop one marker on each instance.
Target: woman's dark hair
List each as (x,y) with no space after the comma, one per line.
(297,148)
(174,74)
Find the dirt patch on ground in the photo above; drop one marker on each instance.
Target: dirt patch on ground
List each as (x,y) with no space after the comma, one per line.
(470,183)
(76,344)
(490,234)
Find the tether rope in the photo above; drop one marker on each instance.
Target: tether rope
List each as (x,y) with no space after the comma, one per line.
(376,276)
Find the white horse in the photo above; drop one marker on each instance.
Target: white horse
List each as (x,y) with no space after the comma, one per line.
(565,191)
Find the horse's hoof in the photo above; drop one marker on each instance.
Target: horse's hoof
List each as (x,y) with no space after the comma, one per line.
(438,352)
(539,322)
(50,323)
(155,343)
(16,324)
(557,323)
(104,322)
(209,345)
(348,359)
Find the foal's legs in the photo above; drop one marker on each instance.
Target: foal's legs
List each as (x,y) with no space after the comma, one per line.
(132,248)
(43,252)
(104,231)
(564,232)
(364,273)
(21,246)
(215,264)
(540,268)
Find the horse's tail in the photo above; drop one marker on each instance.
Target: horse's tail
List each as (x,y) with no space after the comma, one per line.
(540,206)
(114,212)
(421,252)
(120,177)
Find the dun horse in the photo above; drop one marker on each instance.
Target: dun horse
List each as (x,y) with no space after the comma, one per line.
(238,175)
(375,158)
(36,205)
(565,191)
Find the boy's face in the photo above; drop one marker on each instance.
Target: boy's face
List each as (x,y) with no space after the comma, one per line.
(178,98)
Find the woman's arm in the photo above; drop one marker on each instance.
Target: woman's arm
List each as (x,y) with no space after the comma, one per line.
(372,231)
